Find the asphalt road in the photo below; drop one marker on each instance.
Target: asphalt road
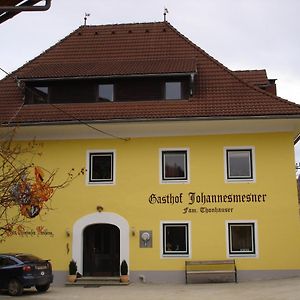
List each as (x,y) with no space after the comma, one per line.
(287,289)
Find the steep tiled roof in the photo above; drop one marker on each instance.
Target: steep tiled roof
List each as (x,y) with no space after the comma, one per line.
(255,77)
(133,49)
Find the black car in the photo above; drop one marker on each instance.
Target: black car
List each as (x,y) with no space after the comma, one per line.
(19,271)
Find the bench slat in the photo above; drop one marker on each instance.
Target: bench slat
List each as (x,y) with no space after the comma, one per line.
(209,262)
(210,271)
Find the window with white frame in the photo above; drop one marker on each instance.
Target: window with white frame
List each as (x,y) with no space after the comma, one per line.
(174,165)
(101,167)
(242,239)
(175,239)
(239,164)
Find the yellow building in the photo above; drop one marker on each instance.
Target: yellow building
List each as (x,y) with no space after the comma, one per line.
(185,159)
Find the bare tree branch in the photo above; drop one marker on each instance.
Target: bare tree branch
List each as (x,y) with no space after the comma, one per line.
(25,188)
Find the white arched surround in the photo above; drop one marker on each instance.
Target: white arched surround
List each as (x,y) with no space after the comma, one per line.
(99,218)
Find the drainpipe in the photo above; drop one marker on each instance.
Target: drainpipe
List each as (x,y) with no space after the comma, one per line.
(27,7)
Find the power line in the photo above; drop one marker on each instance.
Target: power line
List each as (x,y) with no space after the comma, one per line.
(4,71)
(88,125)
(21,85)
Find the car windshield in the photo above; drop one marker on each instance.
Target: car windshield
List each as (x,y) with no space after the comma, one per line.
(28,257)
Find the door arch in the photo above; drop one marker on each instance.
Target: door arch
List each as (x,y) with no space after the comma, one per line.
(99,218)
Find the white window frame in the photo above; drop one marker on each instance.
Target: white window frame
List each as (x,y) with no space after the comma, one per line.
(88,164)
(161,167)
(188,240)
(242,254)
(240,180)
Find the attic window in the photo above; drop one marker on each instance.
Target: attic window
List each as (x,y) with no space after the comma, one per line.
(106,92)
(173,90)
(37,94)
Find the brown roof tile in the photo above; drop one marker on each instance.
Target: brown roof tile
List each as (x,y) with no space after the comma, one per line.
(132,49)
(110,68)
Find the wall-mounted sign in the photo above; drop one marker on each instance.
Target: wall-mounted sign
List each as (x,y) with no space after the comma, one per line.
(38,231)
(207,203)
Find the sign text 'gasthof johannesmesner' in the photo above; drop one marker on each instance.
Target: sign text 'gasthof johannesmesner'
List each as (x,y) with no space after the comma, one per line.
(207,203)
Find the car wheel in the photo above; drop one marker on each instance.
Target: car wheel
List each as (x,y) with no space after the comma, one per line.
(15,288)
(42,288)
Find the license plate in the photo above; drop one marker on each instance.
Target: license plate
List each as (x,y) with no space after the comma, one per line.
(41,267)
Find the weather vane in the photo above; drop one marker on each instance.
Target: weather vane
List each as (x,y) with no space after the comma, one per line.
(86,15)
(165,14)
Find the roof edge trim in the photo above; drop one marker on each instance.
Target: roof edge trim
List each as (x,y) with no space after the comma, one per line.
(263,117)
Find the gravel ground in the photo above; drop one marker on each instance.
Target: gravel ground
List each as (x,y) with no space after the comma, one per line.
(286,289)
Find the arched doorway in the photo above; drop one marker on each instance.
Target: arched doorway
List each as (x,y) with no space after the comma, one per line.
(109,218)
(101,250)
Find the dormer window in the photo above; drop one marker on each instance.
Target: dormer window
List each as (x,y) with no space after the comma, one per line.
(173,90)
(117,89)
(106,92)
(37,94)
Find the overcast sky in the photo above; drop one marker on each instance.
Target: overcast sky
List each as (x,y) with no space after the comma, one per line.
(241,34)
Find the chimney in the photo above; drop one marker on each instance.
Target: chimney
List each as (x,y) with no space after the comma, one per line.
(271,87)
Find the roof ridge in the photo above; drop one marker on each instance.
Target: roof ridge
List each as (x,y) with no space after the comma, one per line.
(250,70)
(124,24)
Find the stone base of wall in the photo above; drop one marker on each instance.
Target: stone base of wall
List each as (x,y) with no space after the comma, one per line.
(60,278)
(178,277)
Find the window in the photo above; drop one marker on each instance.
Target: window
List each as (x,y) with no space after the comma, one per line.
(106,92)
(6,262)
(175,239)
(174,165)
(239,164)
(241,239)
(101,167)
(37,94)
(173,90)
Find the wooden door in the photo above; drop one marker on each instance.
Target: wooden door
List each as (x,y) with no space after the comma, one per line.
(101,250)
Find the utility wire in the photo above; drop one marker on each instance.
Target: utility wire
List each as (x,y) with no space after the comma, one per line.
(88,125)
(20,85)
(4,71)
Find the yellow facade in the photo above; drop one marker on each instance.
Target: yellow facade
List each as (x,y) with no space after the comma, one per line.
(137,177)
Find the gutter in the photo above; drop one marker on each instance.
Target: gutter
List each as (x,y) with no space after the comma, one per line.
(43,79)
(180,119)
(8,12)
(27,7)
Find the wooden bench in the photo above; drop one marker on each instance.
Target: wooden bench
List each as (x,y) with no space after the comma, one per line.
(210,271)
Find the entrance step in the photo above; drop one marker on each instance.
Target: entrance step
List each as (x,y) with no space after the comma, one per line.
(97,281)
